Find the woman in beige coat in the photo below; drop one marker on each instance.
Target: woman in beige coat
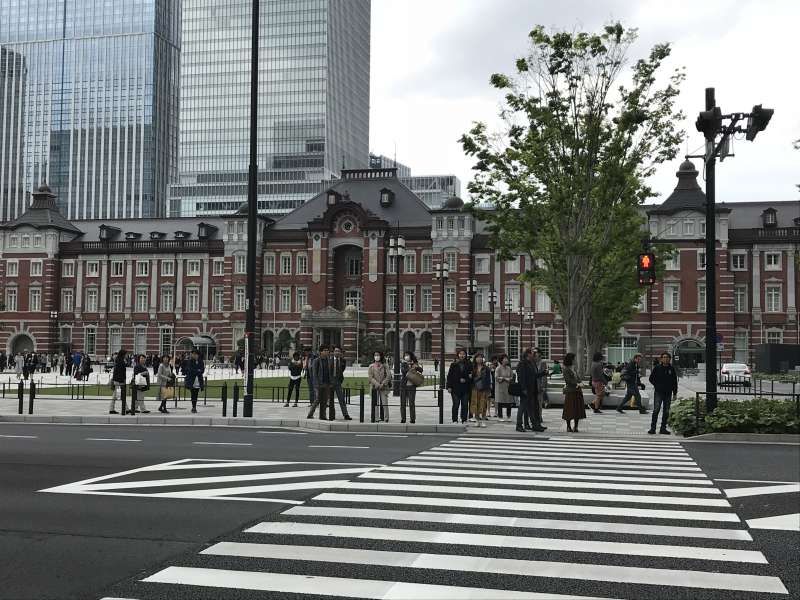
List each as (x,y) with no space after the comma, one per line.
(380,379)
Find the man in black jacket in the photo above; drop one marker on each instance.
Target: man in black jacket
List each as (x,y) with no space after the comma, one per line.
(665,387)
(528,378)
(632,377)
(459,384)
(338,364)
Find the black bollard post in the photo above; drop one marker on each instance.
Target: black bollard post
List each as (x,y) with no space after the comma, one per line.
(441,406)
(372,407)
(134,393)
(361,405)
(21,394)
(224,398)
(31,396)
(235,399)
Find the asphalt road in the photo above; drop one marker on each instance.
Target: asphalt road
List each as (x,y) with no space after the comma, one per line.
(56,545)
(168,513)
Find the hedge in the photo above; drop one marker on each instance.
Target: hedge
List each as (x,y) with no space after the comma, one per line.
(759,415)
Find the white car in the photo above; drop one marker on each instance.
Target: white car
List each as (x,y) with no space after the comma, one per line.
(735,374)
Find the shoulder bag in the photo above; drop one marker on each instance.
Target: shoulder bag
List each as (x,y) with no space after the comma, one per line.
(414,377)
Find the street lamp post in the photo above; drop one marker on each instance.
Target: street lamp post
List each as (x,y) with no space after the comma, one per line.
(521,312)
(252,218)
(54,329)
(397,249)
(529,317)
(492,303)
(509,307)
(472,289)
(441,273)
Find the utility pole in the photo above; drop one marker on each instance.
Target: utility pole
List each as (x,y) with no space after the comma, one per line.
(252,218)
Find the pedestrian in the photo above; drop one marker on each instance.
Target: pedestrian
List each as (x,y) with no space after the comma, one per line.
(76,365)
(339,365)
(529,409)
(631,375)
(166,383)
(482,383)
(140,384)
(556,368)
(19,365)
(3,361)
(574,407)
(665,388)
(295,377)
(380,380)
(194,380)
(503,376)
(86,367)
(459,384)
(309,362)
(598,377)
(118,377)
(61,363)
(541,382)
(410,377)
(322,374)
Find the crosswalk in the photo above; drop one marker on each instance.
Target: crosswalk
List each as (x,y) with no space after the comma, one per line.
(494,518)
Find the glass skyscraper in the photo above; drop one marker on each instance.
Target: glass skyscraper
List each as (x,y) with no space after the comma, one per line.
(92,87)
(314,58)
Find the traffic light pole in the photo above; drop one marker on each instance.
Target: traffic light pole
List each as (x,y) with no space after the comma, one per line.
(711,266)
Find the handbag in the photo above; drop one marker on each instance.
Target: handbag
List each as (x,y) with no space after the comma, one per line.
(167,392)
(140,380)
(415,378)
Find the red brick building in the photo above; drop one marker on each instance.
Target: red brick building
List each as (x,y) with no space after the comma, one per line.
(325,275)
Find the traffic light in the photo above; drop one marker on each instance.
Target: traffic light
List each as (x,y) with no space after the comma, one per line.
(647,269)
(709,122)
(757,121)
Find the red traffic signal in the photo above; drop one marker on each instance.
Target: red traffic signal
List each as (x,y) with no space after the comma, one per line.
(646,268)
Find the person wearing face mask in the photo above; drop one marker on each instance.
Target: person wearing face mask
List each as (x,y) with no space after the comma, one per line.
(459,384)
(380,379)
(411,376)
(482,380)
(503,376)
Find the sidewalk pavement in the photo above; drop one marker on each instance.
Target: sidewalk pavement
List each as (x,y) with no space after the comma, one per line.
(609,423)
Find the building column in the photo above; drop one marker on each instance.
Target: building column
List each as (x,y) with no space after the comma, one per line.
(153,289)
(791,302)
(756,263)
(179,289)
(128,288)
(204,291)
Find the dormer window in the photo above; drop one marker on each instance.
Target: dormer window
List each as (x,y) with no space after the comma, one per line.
(205,231)
(132,235)
(157,235)
(387,197)
(182,235)
(333,198)
(770,217)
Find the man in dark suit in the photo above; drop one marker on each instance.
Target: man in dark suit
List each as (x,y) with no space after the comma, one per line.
(338,363)
(323,377)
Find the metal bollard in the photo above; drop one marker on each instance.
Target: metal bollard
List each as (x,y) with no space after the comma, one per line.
(235,399)
(21,394)
(134,393)
(361,405)
(224,398)
(441,406)
(372,408)
(205,394)
(31,397)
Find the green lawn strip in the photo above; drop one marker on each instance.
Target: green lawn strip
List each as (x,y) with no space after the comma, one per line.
(263,389)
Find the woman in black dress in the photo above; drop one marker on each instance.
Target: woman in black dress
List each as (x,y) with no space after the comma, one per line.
(574,407)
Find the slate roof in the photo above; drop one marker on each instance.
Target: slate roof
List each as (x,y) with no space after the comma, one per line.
(407,207)
(687,194)
(42,214)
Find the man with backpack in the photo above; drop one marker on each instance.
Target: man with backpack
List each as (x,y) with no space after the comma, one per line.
(631,375)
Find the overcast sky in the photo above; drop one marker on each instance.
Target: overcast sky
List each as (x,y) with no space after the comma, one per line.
(431,61)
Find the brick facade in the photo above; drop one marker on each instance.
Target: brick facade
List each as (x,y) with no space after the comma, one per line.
(324,276)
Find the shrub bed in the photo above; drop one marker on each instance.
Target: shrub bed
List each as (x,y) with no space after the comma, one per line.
(759,415)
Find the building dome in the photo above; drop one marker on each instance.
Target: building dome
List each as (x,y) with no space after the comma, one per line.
(44,189)
(453,202)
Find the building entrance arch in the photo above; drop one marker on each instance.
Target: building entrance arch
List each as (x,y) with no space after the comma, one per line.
(21,343)
(688,352)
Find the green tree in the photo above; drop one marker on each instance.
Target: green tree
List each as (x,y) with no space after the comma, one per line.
(567,174)
(368,344)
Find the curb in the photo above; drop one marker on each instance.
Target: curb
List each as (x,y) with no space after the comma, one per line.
(237,422)
(756,438)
